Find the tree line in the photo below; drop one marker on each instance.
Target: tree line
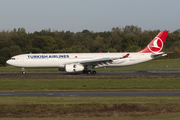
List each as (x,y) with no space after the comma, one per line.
(128,39)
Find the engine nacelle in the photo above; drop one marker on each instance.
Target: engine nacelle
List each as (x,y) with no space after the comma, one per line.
(74,68)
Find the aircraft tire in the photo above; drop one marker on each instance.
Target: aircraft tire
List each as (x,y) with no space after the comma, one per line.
(89,72)
(23,72)
(93,72)
(84,71)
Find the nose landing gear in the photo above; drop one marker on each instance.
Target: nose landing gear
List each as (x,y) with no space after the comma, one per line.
(23,71)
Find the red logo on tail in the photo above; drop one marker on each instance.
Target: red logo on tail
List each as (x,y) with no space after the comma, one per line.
(156,45)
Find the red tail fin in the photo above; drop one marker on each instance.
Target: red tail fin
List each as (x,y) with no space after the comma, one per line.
(156,44)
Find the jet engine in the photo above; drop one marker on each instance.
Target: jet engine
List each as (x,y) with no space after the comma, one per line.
(74,68)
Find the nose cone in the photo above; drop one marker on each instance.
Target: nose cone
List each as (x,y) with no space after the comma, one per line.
(8,62)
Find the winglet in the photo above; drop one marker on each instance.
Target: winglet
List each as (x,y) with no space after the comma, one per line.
(156,45)
(125,56)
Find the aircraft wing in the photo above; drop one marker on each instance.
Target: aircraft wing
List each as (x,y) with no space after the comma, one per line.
(101,61)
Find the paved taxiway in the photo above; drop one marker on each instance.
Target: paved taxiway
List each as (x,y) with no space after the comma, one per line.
(99,73)
(104,93)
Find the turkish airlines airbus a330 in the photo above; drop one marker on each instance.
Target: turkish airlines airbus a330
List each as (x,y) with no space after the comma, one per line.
(76,62)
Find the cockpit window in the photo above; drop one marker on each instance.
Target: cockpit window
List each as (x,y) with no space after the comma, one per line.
(12,58)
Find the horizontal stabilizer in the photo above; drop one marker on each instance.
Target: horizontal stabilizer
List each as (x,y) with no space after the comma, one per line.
(157,55)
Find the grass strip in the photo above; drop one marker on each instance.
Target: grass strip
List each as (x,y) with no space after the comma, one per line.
(9,84)
(88,110)
(78,108)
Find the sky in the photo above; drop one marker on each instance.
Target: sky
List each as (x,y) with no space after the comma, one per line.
(93,15)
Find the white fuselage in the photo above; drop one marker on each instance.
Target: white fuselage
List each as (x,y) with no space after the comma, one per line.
(59,60)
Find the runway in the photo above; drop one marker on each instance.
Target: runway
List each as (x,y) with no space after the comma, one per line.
(98,73)
(100,94)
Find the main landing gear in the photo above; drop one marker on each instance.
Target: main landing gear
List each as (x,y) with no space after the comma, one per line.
(89,72)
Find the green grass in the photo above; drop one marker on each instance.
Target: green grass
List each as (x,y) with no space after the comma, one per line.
(154,65)
(127,84)
(79,108)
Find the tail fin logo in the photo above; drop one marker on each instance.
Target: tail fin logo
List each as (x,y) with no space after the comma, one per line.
(156,45)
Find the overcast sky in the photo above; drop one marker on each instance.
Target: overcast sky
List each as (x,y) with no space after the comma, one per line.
(94,15)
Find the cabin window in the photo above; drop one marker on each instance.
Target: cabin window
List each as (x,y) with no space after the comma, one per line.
(12,58)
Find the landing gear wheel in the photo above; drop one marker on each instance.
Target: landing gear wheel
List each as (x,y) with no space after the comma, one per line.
(93,72)
(23,72)
(84,71)
(89,72)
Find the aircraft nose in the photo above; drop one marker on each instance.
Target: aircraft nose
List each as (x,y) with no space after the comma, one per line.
(8,62)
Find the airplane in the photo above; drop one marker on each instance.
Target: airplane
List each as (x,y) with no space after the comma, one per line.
(85,62)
